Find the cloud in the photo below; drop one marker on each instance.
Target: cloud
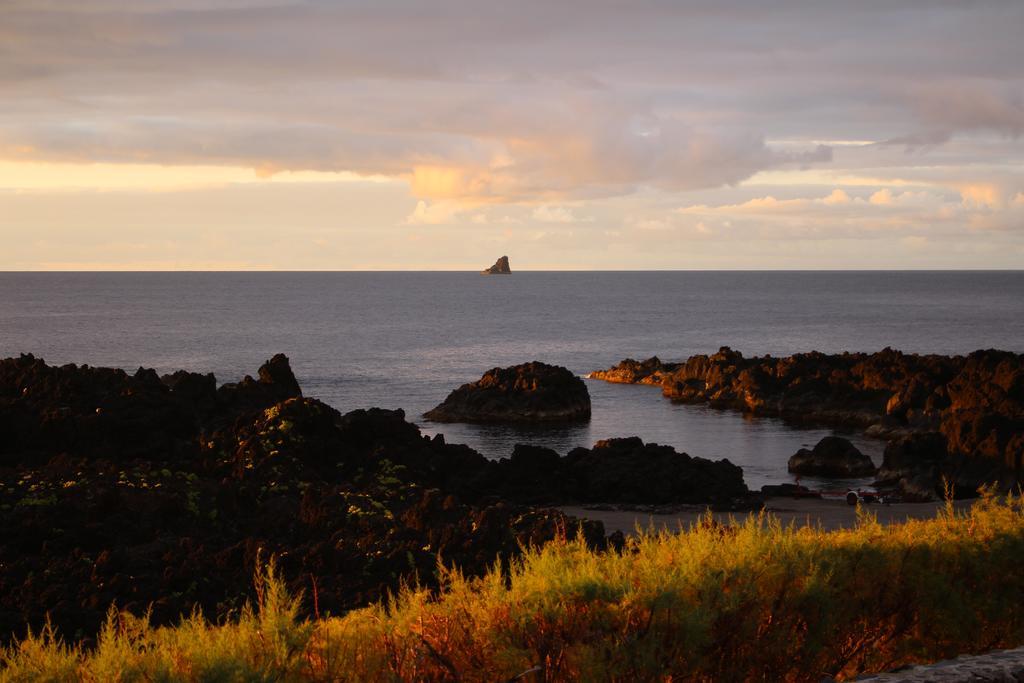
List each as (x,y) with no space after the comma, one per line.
(556,214)
(882,198)
(434,213)
(483,102)
(539,154)
(937,215)
(970,105)
(915,241)
(769,204)
(981,195)
(837,196)
(916,141)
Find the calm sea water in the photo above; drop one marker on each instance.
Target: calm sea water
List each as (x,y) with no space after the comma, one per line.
(404,340)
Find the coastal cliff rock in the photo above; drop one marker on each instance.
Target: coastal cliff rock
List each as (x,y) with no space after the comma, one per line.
(833,456)
(982,408)
(975,402)
(530,392)
(500,267)
(102,411)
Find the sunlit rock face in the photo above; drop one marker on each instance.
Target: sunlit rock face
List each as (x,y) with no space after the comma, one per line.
(651,371)
(500,267)
(530,392)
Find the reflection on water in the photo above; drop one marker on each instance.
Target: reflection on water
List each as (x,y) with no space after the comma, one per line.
(761,446)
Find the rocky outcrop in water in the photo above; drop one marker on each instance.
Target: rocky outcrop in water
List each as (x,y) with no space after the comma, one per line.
(629,371)
(500,267)
(617,471)
(975,402)
(531,392)
(833,456)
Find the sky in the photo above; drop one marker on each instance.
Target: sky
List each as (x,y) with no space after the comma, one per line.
(567,134)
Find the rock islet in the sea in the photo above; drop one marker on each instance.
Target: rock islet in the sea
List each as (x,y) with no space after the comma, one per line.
(500,267)
(529,392)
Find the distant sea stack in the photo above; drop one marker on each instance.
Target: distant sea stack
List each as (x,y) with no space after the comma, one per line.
(500,267)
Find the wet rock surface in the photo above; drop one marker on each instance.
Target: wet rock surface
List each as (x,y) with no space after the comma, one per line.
(144,491)
(974,403)
(530,392)
(833,456)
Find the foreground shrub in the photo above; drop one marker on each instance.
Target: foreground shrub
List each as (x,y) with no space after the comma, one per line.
(755,601)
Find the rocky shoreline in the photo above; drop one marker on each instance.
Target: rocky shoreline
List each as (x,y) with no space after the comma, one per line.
(956,419)
(165,493)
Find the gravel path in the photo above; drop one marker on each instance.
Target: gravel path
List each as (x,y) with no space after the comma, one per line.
(1002,666)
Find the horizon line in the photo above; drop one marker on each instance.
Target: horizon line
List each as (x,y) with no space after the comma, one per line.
(529,270)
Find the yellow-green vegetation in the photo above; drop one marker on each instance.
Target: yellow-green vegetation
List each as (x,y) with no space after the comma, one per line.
(754,601)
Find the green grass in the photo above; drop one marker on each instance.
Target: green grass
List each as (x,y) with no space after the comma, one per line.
(757,601)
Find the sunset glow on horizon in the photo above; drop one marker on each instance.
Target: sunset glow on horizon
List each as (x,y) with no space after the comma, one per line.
(307,135)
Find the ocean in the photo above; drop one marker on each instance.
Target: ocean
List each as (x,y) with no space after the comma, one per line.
(405,339)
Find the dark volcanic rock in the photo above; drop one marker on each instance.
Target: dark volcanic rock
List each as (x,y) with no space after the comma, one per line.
(921,468)
(833,456)
(109,413)
(141,491)
(975,402)
(500,267)
(788,490)
(531,392)
(983,408)
(128,489)
(276,383)
(617,471)
(630,471)
(912,456)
